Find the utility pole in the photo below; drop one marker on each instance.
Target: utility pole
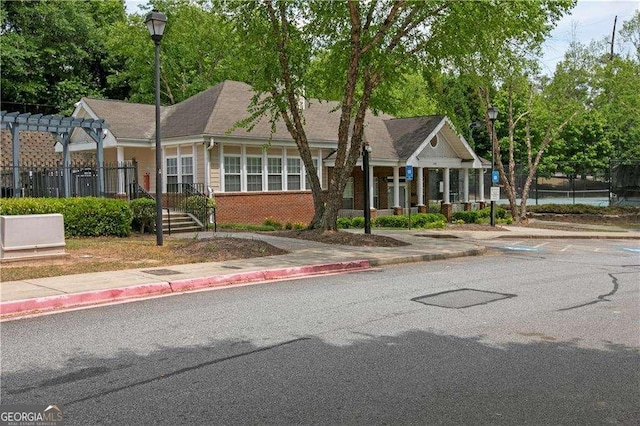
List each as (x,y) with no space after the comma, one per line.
(613,36)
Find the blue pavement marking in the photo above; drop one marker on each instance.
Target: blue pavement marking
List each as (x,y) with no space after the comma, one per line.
(633,249)
(520,248)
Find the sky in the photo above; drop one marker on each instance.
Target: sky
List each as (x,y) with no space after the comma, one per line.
(589,20)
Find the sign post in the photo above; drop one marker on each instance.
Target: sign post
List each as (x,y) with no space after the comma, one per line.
(408,177)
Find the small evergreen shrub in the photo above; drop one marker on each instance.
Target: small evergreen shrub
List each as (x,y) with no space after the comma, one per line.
(466,216)
(344,223)
(427,220)
(357,222)
(144,215)
(200,207)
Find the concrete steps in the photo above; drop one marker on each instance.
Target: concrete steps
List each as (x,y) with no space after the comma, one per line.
(175,222)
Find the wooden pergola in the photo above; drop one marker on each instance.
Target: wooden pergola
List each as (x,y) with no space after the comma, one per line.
(61,128)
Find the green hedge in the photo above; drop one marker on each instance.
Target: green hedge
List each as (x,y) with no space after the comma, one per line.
(581,209)
(83,216)
(466,216)
(420,220)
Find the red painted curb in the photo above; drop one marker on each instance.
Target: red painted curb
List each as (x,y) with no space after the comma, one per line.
(84,298)
(49,303)
(267,275)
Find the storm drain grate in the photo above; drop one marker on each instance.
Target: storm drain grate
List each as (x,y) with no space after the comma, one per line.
(231,267)
(162,272)
(462,298)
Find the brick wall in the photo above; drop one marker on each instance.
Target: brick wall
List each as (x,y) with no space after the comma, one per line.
(254,208)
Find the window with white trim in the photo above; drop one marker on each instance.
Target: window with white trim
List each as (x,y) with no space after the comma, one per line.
(254,173)
(294,172)
(274,176)
(171,178)
(186,170)
(307,180)
(232,173)
(347,196)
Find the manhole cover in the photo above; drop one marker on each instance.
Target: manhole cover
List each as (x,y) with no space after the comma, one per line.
(161,272)
(462,298)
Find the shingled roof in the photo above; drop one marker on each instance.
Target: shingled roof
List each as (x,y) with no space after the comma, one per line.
(216,111)
(409,133)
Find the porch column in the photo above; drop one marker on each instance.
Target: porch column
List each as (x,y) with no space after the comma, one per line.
(66,163)
(221,165)
(15,145)
(481,184)
(100,160)
(371,187)
(420,186)
(120,165)
(446,208)
(465,185)
(446,190)
(319,167)
(396,188)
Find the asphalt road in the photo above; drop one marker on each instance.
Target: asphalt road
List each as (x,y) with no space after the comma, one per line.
(559,344)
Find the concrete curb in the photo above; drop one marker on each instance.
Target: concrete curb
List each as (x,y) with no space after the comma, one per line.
(570,237)
(427,257)
(65,301)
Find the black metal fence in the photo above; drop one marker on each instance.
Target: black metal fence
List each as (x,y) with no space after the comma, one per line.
(76,180)
(616,184)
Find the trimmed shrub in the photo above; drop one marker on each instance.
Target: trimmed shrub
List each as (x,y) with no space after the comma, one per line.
(95,217)
(428,220)
(198,206)
(83,216)
(486,213)
(344,223)
(357,222)
(466,216)
(144,215)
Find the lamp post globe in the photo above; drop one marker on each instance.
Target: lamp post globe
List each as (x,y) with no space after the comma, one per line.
(156,23)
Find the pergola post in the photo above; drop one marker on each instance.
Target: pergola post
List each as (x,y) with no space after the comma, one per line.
(15,144)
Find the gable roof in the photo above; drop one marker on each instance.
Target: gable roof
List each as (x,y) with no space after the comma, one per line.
(126,120)
(215,112)
(409,133)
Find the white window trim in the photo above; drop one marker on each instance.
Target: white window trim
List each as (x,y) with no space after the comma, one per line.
(262,174)
(223,188)
(267,174)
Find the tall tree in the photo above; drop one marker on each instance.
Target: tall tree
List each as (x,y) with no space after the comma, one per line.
(198,50)
(366,46)
(53,51)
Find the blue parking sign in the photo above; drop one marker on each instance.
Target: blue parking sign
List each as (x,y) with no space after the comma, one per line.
(495,176)
(408,173)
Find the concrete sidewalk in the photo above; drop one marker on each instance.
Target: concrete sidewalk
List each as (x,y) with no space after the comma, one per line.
(305,258)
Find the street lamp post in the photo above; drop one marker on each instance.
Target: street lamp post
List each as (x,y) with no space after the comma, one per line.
(366,150)
(156,23)
(492,112)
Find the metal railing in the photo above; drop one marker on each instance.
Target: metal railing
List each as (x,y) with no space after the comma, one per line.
(76,180)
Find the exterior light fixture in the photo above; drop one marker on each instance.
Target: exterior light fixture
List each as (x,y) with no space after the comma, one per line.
(156,23)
